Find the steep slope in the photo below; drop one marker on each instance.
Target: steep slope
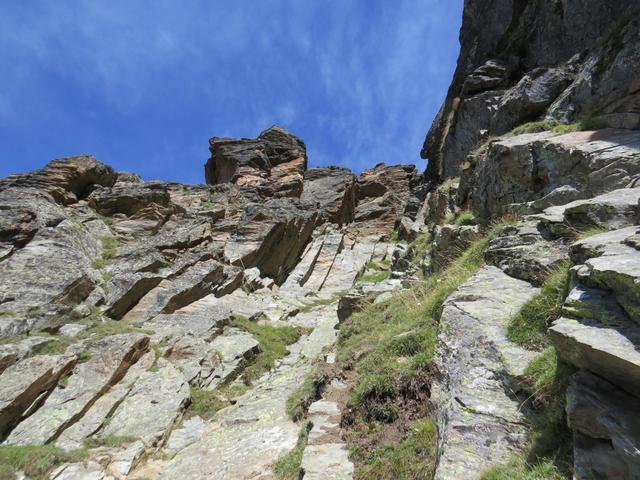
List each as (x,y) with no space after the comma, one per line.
(132,311)
(537,351)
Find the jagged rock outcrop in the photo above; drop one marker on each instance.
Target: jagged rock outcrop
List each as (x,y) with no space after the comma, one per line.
(568,61)
(382,195)
(271,165)
(121,300)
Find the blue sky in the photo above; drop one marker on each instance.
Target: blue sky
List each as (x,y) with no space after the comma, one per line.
(143,84)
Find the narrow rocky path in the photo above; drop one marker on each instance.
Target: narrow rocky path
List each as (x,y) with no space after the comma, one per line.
(245,439)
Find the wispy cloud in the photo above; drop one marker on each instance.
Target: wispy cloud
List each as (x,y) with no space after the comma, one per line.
(140,84)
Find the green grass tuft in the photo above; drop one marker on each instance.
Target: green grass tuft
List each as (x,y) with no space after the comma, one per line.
(529,326)
(413,458)
(112,441)
(518,470)
(375,277)
(34,460)
(287,467)
(205,403)
(465,217)
(109,250)
(421,246)
(273,345)
(304,395)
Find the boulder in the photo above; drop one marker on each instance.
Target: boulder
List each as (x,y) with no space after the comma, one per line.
(524,251)
(66,179)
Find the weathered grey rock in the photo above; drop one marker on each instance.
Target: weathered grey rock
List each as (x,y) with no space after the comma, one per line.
(271,236)
(327,462)
(613,264)
(23,383)
(11,353)
(479,422)
(171,294)
(65,179)
(110,359)
(245,439)
(545,169)
(326,457)
(333,190)
(235,349)
(534,60)
(524,251)
(81,471)
(606,429)
(98,414)
(382,194)
(607,350)
(129,198)
(152,407)
(449,241)
(189,432)
(46,278)
(612,210)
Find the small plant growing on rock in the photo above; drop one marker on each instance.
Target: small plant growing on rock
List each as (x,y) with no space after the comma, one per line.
(287,467)
(36,461)
(529,326)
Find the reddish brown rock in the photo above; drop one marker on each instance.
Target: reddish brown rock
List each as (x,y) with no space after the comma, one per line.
(271,165)
(333,190)
(383,192)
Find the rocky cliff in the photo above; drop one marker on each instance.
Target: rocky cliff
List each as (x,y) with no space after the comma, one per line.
(537,150)
(480,321)
(127,307)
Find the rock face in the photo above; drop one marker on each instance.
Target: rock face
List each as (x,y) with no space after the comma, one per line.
(272,165)
(122,301)
(540,131)
(382,195)
(141,321)
(567,61)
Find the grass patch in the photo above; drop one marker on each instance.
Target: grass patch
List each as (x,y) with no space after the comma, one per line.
(529,326)
(287,467)
(34,460)
(273,345)
(518,470)
(421,246)
(392,342)
(412,459)
(304,395)
(205,403)
(7,313)
(550,449)
(390,345)
(375,277)
(446,185)
(112,441)
(104,327)
(109,250)
(466,217)
(55,347)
